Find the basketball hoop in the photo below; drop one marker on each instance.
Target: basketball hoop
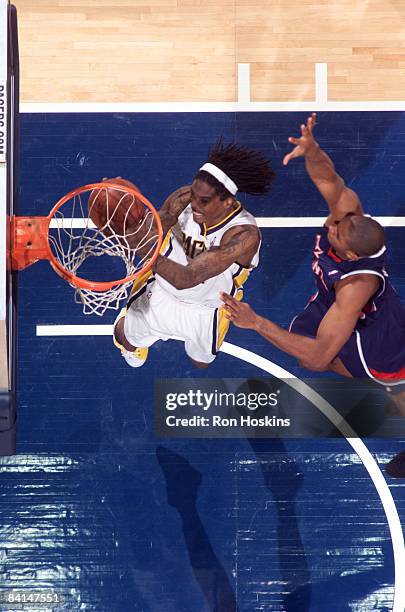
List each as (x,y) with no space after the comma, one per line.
(74,245)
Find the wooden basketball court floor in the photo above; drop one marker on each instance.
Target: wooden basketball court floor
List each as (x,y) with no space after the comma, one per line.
(94,506)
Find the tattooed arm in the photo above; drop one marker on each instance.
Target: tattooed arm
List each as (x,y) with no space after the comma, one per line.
(173,206)
(238,244)
(144,237)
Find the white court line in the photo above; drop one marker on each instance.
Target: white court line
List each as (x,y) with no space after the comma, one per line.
(359,447)
(319,221)
(74,330)
(321,83)
(207,107)
(244,83)
(261,221)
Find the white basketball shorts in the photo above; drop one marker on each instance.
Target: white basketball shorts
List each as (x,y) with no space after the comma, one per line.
(154,314)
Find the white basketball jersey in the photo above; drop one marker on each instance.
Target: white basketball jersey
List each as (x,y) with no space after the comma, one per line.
(188,239)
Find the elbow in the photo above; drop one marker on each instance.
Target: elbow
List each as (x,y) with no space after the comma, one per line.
(321,356)
(177,283)
(314,365)
(180,284)
(316,362)
(183,282)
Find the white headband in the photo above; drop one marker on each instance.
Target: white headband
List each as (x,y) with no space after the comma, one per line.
(221,177)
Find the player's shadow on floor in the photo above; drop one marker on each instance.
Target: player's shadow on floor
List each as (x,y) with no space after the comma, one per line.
(284,481)
(183,481)
(283,478)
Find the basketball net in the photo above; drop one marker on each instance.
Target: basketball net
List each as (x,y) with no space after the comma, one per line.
(73,244)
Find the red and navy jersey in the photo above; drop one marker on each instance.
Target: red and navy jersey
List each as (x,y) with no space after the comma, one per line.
(377,345)
(329,268)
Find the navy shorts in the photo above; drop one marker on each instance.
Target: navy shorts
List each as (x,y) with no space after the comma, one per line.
(355,353)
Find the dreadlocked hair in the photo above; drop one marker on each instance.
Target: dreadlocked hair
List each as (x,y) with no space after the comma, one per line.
(248,169)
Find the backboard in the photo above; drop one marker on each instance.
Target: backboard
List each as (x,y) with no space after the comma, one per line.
(9,77)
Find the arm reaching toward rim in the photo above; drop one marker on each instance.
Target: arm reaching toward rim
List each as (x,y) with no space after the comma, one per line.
(341,199)
(238,242)
(169,213)
(334,331)
(173,206)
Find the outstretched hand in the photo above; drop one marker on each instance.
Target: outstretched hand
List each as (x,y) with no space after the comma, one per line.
(240,313)
(305,143)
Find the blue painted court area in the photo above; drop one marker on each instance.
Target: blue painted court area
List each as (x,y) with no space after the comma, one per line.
(98,508)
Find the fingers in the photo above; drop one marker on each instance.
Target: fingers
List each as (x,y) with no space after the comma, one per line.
(228,299)
(294,152)
(311,121)
(231,305)
(185,196)
(306,128)
(184,191)
(297,152)
(182,195)
(232,315)
(301,143)
(287,158)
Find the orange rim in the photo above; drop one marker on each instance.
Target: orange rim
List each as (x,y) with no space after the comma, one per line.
(82,283)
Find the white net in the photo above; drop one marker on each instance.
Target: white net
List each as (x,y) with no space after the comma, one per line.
(120,245)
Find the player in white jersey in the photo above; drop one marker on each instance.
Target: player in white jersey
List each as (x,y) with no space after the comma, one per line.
(211,245)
